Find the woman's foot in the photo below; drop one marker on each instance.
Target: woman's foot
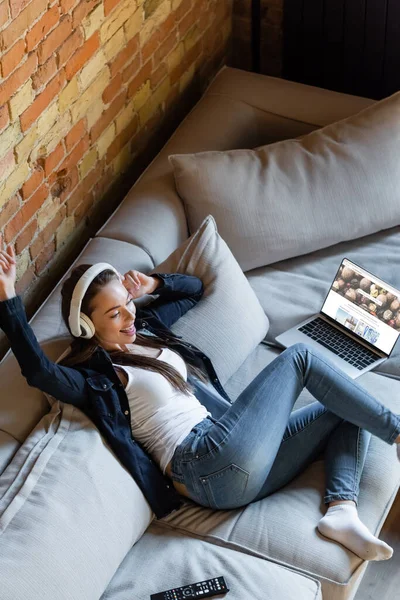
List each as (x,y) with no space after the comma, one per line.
(342,524)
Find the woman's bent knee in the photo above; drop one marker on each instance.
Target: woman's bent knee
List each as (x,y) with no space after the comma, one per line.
(300,347)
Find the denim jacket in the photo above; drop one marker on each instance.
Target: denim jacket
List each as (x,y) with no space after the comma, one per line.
(94,386)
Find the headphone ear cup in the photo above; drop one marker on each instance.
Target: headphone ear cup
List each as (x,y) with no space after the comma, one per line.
(87,326)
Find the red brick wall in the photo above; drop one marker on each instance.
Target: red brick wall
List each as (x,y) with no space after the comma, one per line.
(89,89)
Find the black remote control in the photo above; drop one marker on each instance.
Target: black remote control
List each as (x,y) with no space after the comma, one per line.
(201,589)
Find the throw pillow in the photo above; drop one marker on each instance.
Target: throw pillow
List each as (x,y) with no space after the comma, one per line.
(229,321)
(292,197)
(69,511)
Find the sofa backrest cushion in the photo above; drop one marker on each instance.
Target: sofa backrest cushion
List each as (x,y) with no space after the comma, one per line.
(295,196)
(228,322)
(21,405)
(69,511)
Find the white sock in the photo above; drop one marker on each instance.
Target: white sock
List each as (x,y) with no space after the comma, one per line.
(342,524)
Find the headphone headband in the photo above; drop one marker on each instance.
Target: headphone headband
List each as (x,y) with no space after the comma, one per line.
(78,320)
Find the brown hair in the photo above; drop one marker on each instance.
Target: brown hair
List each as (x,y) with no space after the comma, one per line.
(82,349)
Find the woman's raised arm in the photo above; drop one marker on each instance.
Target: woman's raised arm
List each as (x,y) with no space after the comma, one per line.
(178,293)
(64,383)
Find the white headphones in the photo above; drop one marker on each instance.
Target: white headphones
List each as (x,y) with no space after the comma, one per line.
(80,324)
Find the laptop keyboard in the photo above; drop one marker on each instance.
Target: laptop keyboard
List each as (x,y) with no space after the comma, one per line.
(336,341)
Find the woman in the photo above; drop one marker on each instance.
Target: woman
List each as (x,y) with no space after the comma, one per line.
(258,444)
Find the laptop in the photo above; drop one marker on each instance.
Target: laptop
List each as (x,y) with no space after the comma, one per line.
(358,324)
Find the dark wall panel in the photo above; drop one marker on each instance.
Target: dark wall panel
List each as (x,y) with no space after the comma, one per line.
(313,19)
(333,43)
(391,68)
(293,33)
(374,45)
(353,46)
(345,45)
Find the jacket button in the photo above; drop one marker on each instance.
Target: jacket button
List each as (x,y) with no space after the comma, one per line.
(104,386)
(215,378)
(126,412)
(144,324)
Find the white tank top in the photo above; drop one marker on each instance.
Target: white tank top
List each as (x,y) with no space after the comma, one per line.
(161,416)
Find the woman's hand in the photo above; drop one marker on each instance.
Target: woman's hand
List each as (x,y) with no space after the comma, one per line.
(8,273)
(138,284)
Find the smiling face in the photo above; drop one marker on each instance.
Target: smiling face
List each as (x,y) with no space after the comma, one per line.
(113,313)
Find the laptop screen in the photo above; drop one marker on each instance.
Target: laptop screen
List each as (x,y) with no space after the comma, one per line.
(366,305)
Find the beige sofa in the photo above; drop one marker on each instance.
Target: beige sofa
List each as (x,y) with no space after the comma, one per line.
(269,549)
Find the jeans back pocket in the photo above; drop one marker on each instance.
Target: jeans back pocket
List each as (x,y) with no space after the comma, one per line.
(226,487)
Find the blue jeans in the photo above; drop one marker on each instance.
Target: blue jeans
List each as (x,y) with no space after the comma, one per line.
(260,445)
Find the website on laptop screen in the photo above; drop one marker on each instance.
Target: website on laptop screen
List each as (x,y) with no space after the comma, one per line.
(366,305)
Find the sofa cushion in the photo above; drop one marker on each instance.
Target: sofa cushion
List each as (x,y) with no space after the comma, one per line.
(164,559)
(228,322)
(21,406)
(69,512)
(282,527)
(293,197)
